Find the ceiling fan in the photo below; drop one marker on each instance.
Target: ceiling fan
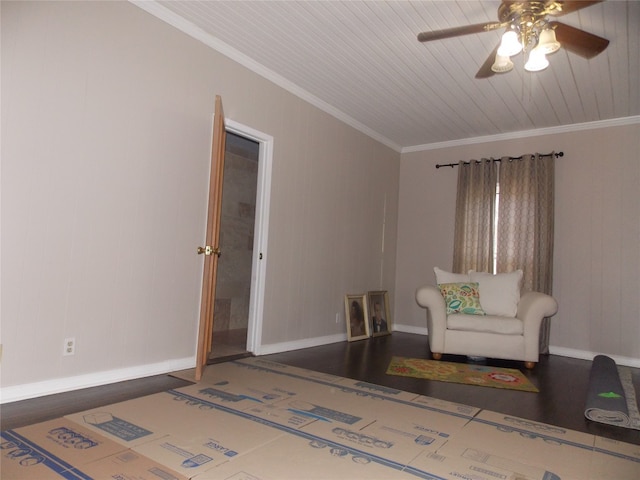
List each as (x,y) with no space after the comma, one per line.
(528,29)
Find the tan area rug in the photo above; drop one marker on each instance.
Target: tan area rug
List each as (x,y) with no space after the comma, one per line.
(480,375)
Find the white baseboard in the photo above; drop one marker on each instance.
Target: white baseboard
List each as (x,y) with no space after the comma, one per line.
(299,344)
(561,351)
(59,385)
(318,341)
(586,355)
(410,329)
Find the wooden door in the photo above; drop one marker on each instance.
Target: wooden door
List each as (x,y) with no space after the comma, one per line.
(211,250)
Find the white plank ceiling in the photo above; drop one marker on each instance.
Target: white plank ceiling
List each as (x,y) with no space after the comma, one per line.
(360,61)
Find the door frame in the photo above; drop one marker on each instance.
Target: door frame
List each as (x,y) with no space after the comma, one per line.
(261,230)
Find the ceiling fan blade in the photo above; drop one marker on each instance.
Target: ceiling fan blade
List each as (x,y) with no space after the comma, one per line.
(573,5)
(485,70)
(578,41)
(457,31)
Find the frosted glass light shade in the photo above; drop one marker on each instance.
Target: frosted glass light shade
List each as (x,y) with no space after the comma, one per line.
(502,64)
(548,43)
(510,45)
(537,61)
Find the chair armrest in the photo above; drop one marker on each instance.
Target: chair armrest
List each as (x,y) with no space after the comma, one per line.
(429,297)
(532,308)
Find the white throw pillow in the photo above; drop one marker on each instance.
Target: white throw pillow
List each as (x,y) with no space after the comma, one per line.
(448,277)
(500,293)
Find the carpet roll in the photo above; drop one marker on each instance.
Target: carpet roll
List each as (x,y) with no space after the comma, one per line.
(606,402)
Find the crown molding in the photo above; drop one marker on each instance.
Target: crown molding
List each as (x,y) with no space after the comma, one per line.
(614,122)
(157,10)
(164,14)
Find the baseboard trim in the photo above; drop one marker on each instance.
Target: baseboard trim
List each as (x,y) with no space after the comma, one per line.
(561,351)
(410,329)
(299,344)
(49,387)
(586,355)
(318,341)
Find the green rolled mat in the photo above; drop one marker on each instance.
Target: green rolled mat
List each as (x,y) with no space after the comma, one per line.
(607,400)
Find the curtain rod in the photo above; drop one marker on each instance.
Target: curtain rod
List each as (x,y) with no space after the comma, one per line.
(559,154)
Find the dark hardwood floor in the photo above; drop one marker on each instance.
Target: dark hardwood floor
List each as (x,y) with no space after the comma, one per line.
(27,412)
(563,384)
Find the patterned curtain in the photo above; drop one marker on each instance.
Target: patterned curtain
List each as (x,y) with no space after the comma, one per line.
(474,221)
(525,224)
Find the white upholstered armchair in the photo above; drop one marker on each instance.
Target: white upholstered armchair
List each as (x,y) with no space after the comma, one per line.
(508,335)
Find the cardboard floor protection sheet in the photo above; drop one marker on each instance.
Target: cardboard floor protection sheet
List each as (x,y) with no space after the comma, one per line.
(253,419)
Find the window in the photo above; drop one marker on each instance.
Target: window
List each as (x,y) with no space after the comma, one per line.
(504,221)
(504,218)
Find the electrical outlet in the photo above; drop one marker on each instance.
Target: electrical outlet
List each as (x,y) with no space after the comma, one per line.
(69,346)
(338,317)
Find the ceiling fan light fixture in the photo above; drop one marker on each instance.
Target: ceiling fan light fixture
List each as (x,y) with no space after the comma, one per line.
(537,61)
(548,43)
(502,64)
(510,44)
(526,27)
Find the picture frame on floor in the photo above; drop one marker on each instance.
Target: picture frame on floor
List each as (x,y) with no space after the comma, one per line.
(379,318)
(356,315)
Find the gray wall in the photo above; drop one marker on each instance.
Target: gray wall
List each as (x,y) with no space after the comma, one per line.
(597,234)
(106,126)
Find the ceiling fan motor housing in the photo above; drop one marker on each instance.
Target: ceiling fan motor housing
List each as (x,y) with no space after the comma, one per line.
(527,18)
(508,11)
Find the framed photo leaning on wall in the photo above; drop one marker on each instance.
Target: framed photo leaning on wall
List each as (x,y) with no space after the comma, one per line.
(355,314)
(379,318)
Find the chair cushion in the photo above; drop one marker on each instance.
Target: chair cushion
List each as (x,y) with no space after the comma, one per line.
(487,323)
(442,276)
(461,298)
(499,293)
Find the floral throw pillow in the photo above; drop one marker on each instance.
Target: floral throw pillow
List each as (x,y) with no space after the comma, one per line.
(462,298)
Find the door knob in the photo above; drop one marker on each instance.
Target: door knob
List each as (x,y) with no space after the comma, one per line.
(209,250)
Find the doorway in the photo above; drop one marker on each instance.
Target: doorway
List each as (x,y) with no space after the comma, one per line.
(212,251)
(232,303)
